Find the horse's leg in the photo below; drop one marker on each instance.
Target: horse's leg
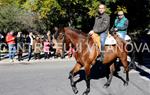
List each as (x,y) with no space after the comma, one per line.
(71,75)
(87,72)
(132,64)
(112,70)
(133,59)
(126,68)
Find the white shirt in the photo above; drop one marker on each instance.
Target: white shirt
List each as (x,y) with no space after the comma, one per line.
(31,40)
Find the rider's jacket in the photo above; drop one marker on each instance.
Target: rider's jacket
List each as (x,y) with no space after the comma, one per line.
(121,24)
(102,23)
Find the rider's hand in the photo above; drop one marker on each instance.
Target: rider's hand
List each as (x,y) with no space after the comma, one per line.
(91,32)
(115,29)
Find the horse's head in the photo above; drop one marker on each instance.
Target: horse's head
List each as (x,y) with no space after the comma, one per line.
(67,36)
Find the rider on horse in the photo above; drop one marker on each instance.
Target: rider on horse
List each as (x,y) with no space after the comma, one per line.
(101,27)
(120,25)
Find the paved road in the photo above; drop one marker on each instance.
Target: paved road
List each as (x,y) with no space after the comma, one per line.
(50,78)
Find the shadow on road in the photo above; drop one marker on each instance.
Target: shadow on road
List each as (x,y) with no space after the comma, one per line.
(143,73)
(98,71)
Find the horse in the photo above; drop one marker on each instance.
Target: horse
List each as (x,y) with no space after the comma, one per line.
(86,53)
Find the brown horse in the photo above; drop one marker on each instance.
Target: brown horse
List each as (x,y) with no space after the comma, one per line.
(87,52)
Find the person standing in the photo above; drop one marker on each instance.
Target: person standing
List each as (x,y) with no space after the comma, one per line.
(71,51)
(37,47)
(101,27)
(10,39)
(30,42)
(19,45)
(48,36)
(1,42)
(1,37)
(46,49)
(120,25)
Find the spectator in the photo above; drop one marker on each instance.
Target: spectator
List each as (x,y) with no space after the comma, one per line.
(19,46)
(37,48)
(30,42)
(10,39)
(1,37)
(70,51)
(46,49)
(49,36)
(1,43)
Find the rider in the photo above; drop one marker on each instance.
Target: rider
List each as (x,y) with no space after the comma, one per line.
(120,25)
(101,27)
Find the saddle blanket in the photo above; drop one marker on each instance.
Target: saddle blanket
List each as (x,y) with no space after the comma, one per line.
(109,40)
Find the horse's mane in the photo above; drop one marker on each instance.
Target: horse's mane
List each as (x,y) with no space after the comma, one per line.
(78,31)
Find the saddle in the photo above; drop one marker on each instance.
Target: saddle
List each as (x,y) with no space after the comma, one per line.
(109,40)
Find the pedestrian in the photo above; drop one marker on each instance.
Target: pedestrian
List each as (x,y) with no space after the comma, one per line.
(1,37)
(30,41)
(70,51)
(37,48)
(49,37)
(46,49)
(20,46)
(10,39)
(1,42)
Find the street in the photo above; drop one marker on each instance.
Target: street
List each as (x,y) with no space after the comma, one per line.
(50,77)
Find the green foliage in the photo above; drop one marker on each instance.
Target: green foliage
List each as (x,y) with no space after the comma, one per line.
(121,8)
(43,15)
(93,8)
(7,17)
(42,7)
(5,2)
(14,18)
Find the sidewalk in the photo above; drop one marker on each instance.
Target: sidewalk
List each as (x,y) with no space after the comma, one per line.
(6,60)
(42,60)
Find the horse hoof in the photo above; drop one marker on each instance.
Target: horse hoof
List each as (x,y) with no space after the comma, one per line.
(75,90)
(86,92)
(126,84)
(106,85)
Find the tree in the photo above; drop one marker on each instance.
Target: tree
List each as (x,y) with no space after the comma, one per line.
(14,18)
(43,15)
